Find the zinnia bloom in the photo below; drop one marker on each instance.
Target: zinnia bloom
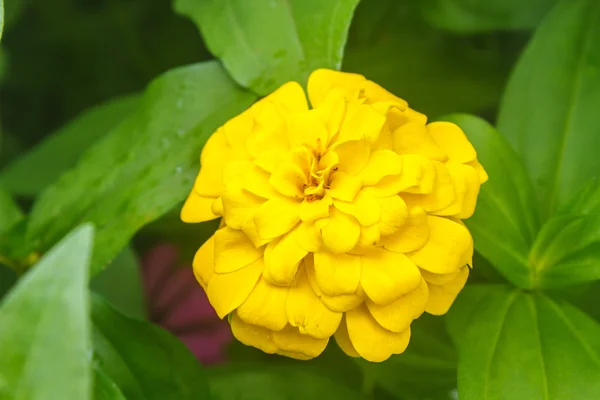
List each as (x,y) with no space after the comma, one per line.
(341,220)
(178,304)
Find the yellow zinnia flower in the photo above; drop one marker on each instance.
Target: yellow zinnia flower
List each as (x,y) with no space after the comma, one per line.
(342,220)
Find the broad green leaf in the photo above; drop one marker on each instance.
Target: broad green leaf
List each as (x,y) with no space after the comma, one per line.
(44,326)
(105,388)
(10,213)
(120,284)
(265,43)
(550,108)
(584,202)
(437,73)
(145,166)
(468,16)
(261,381)
(505,222)
(144,361)
(46,162)
(427,368)
(517,345)
(567,251)
(12,10)
(8,277)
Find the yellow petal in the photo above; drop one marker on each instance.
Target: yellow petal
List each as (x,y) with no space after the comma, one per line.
(442,297)
(265,306)
(289,180)
(410,236)
(442,195)
(204,262)
(353,155)
(215,155)
(439,279)
(306,312)
(239,205)
(343,340)
(453,140)
(322,81)
(291,340)
(197,208)
(365,208)
(341,232)
(340,303)
(307,129)
(373,342)
(386,276)
(333,110)
(344,186)
(233,250)
(362,122)
(413,138)
(276,217)
(310,211)
(234,173)
(308,237)
(252,335)
(249,228)
(393,214)
(256,181)
(466,185)
(269,160)
(483,176)
(369,237)
(282,257)
(445,251)
(398,116)
(398,316)
(217,206)
(418,176)
(226,292)
(337,274)
(381,163)
(290,96)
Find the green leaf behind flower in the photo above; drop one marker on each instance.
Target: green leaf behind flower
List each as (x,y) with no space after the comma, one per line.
(145,166)
(265,43)
(505,222)
(550,108)
(515,345)
(468,16)
(45,163)
(105,388)
(284,382)
(44,326)
(145,361)
(10,213)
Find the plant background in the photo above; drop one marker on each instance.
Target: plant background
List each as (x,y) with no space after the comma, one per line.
(82,139)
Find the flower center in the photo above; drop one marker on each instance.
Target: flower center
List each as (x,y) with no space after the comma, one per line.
(322,164)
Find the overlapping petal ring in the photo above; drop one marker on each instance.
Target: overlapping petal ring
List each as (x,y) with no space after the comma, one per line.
(340,220)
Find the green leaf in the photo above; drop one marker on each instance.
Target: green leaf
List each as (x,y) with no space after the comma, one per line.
(145,166)
(284,382)
(550,108)
(105,388)
(505,222)
(436,73)
(145,361)
(270,42)
(41,166)
(121,285)
(10,213)
(516,345)
(468,16)
(584,202)
(1,17)
(427,367)
(44,326)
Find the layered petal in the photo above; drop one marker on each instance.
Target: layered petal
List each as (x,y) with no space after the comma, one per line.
(441,297)
(265,306)
(337,274)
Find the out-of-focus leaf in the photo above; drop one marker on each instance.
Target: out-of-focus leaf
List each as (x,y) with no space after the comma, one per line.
(265,43)
(505,222)
(550,108)
(1,17)
(515,345)
(46,162)
(10,213)
(260,381)
(145,361)
(145,166)
(12,11)
(8,277)
(567,250)
(585,202)
(427,369)
(120,284)
(437,73)
(468,16)
(105,388)
(44,326)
